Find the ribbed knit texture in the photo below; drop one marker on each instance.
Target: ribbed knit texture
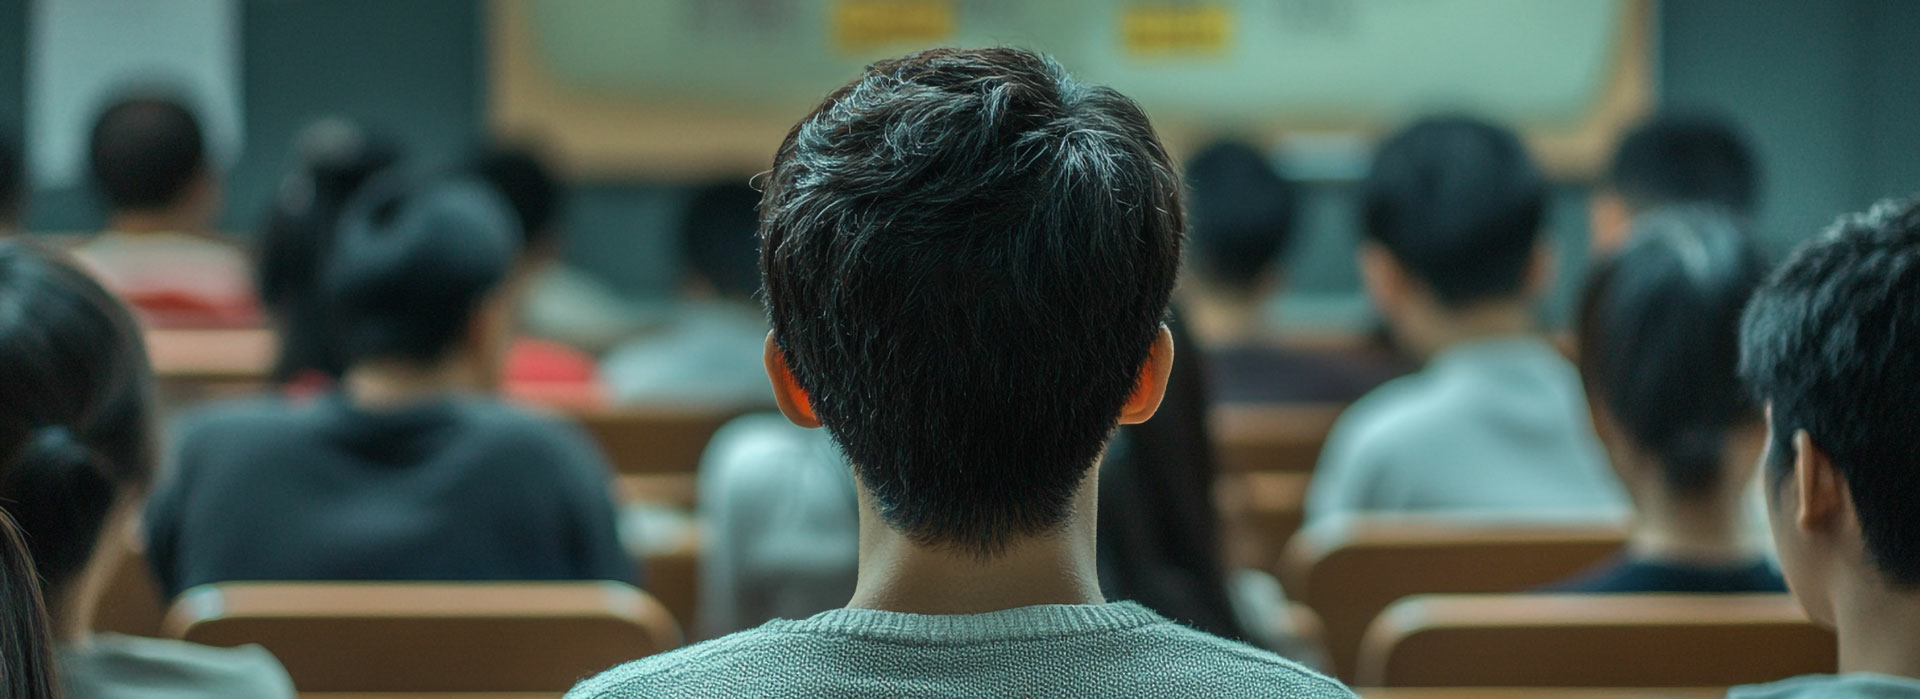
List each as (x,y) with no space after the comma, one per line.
(1111,650)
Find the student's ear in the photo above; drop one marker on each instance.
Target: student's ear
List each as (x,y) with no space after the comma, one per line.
(1152,384)
(1822,499)
(1385,280)
(787,392)
(1609,221)
(1542,269)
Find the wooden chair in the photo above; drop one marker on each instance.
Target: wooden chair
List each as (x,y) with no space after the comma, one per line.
(1262,511)
(1348,570)
(1271,437)
(131,604)
(654,439)
(1592,641)
(431,637)
(673,578)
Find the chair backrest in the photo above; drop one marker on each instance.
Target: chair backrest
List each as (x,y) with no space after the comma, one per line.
(431,637)
(1348,570)
(236,354)
(1262,511)
(1251,437)
(131,602)
(1542,640)
(654,439)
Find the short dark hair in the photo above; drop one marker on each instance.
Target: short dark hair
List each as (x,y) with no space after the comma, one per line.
(529,187)
(1685,158)
(1242,214)
(412,264)
(1828,342)
(1659,335)
(336,159)
(144,152)
(720,237)
(1458,202)
(968,255)
(12,183)
(76,415)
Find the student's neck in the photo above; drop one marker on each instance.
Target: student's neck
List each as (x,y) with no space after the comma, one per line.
(154,221)
(1223,319)
(385,383)
(1696,531)
(1879,628)
(1442,328)
(899,575)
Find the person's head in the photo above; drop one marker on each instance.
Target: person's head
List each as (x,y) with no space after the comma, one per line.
(26,637)
(12,187)
(718,236)
(1827,345)
(1674,159)
(1242,214)
(75,416)
(533,192)
(336,157)
(416,275)
(968,256)
(1659,349)
(1451,214)
(148,157)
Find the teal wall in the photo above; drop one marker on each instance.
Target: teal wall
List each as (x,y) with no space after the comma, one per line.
(1827,88)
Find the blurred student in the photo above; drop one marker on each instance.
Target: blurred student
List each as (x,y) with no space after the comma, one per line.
(150,163)
(1497,421)
(337,157)
(409,470)
(711,355)
(1673,159)
(75,459)
(13,189)
(1243,216)
(1827,346)
(1659,354)
(26,641)
(968,257)
(537,370)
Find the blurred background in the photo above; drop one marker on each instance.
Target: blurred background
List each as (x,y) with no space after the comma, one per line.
(636,102)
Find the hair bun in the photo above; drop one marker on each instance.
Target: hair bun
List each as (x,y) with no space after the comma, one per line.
(55,447)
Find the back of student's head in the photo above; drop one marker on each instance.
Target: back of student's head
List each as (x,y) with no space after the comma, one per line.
(1685,159)
(26,637)
(1660,340)
(967,255)
(719,236)
(1458,202)
(413,264)
(12,186)
(1828,344)
(530,188)
(336,158)
(145,152)
(74,410)
(1242,214)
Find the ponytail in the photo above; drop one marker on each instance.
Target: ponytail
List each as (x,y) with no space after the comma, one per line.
(60,490)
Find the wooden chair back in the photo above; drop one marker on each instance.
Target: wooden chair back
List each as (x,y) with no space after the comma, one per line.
(431,637)
(1348,570)
(1271,437)
(1539,640)
(646,440)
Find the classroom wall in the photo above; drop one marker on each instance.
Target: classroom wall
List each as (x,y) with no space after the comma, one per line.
(1826,88)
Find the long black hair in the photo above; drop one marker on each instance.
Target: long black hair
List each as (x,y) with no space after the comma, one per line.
(26,653)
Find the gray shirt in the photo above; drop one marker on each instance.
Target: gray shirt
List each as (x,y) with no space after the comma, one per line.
(1856,685)
(713,354)
(1109,650)
(112,666)
(1492,426)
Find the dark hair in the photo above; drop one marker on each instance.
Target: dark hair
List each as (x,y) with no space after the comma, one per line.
(1241,214)
(75,413)
(144,152)
(1685,159)
(26,636)
(1660,339)
(1828,342)
(336,159)
(1458,202)
(529,187)
(12,183)
(719,237)
(968,255)
(1159,538)
(412,265)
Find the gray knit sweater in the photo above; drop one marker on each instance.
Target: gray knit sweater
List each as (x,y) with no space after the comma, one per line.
(1110,650)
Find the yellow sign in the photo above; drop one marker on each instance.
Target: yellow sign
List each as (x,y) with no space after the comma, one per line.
(1163,29)
(863,24)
